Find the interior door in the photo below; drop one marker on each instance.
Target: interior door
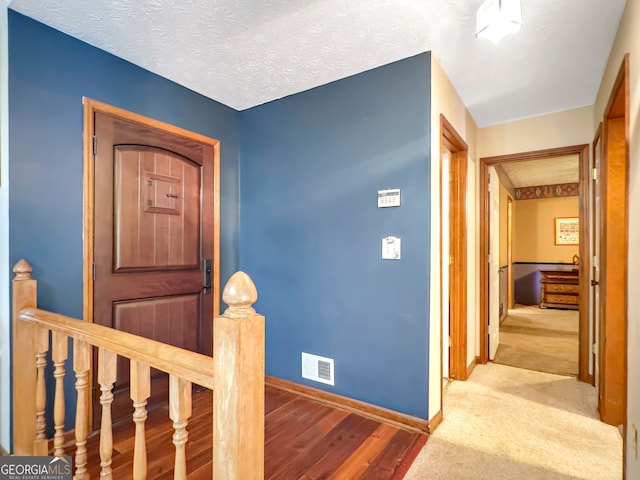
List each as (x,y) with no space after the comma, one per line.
(494,262)
(153,235)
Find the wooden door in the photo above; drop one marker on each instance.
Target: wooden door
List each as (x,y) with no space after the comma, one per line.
(153,234)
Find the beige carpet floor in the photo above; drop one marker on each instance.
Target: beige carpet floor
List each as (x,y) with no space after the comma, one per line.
(508,423)
(542,339)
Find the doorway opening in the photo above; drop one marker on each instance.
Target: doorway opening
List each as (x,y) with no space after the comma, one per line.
(582,152)
(613,239)
(453,252)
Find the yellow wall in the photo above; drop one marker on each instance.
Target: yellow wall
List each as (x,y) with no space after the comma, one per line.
(571,127)
(445,100)
(533,235)
(628,41)
(504,197)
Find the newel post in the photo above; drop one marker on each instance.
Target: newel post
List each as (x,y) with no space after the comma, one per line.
(238,397)
(24,357)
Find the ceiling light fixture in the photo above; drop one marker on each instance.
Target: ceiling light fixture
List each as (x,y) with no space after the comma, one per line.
(497,18)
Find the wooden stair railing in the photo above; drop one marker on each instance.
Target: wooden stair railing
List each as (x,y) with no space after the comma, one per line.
(237,368)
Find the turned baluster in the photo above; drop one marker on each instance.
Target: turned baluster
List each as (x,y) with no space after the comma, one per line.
(106,379)
(238,397)
(81,365)
(140,380)
(41,344)
(179,412)
(60,354)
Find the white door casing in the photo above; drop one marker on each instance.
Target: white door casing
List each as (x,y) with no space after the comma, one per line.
(494,253)
(594,313)
(445,239)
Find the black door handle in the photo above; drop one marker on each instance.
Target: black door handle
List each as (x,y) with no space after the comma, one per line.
(207,267)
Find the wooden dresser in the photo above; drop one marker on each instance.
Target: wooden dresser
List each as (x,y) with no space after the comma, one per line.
(559,289)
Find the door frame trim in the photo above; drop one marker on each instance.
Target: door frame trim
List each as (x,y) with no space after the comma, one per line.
(618,106)
(510,204)
(90,108)
(596,147)
(458,166)
(583,158)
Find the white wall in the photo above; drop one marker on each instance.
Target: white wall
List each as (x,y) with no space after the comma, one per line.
(445,100)
(5,358)
(628,41)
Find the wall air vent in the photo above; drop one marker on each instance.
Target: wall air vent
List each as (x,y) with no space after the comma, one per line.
(318,369)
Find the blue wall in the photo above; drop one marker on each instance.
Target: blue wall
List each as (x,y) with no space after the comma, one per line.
(309,231)
(49,73)
(526,279)
(311,166)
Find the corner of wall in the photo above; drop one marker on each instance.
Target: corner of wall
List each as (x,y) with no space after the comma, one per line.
(5,320)
(445,100)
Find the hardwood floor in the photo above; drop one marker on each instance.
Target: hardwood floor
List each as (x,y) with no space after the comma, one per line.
(304,439)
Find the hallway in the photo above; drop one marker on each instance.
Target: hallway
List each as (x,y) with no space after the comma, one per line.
(506,423)
(541,339)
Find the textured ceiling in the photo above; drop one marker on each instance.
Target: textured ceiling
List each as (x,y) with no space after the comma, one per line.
(246,52)
(548,171)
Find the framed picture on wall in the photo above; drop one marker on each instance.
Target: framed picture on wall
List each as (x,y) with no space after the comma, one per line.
(567,231)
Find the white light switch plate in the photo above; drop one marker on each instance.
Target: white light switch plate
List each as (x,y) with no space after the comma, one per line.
(391,248)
